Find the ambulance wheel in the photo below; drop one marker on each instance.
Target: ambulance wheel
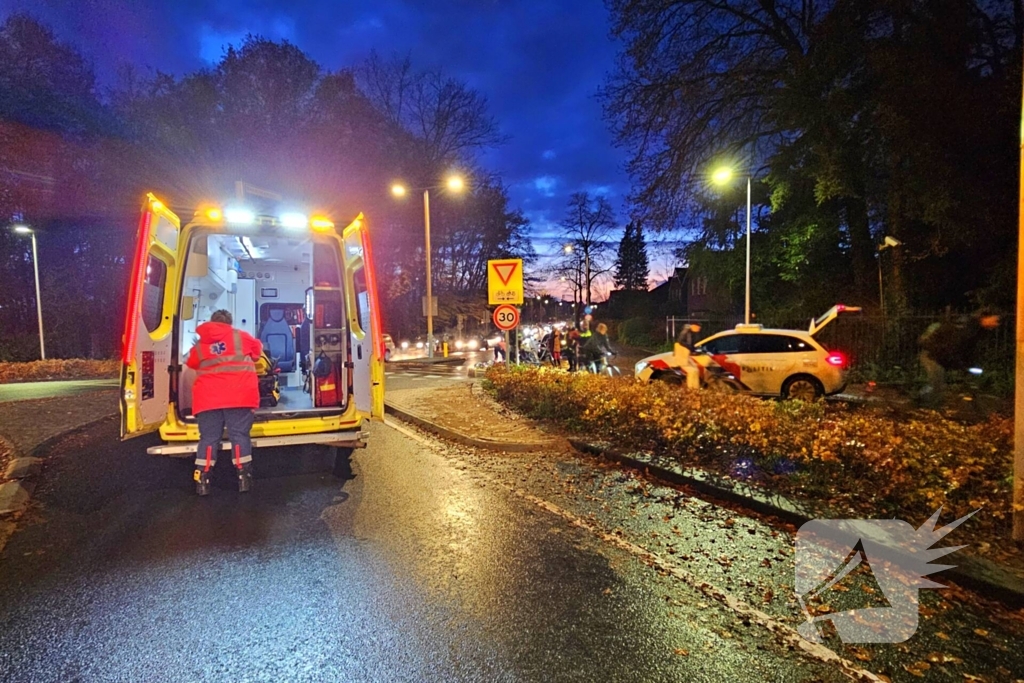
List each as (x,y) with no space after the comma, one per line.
(342,463)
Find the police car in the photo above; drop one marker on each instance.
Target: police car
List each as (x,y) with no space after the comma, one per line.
(763,361)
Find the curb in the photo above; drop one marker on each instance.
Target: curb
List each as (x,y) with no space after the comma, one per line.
(986,577)
(459,437)
(450,360)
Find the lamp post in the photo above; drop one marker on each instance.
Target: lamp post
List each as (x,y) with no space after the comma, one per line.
(25,230)
(455,184)
(723,176)
(887,243)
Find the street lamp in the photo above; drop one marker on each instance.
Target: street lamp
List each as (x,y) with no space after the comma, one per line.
(25,230)
(723,176)
(454,183)
(887,243)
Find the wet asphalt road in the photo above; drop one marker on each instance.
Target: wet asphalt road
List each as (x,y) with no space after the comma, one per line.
(427,563)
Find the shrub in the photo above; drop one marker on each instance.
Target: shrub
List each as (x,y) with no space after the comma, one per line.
(869,462)
(636,332)
(74,368)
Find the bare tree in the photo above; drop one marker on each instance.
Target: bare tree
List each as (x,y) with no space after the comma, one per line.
(448,119)
(588,223)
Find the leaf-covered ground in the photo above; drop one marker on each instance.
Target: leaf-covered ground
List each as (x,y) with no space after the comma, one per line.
(870,463)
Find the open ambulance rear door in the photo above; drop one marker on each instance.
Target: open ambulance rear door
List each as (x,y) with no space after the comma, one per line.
(146,344)
(366,344)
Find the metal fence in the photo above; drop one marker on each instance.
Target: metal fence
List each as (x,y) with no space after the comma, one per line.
(875,344)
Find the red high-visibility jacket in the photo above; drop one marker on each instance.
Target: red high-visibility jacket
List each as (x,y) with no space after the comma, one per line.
(225,374)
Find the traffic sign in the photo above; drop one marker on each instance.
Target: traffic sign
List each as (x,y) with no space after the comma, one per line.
(506,317)
(505,281)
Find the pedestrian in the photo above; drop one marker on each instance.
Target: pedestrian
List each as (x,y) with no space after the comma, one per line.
(226,394)
(500,350)
(556,347)
(951,345)
(572,349)
(683,351)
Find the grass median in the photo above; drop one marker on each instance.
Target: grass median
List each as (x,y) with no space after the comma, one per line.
(862,462)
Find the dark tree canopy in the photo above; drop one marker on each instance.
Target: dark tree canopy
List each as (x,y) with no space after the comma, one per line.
(858,119)
(632,267)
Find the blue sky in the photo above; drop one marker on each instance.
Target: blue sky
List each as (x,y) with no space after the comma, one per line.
(539,63)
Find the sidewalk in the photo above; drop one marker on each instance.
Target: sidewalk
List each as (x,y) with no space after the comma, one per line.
(465,414)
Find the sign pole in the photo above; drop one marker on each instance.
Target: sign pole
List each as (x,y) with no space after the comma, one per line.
(430,293)
(508,351)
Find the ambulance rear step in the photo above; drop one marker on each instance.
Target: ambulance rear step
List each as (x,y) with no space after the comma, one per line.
(347,439)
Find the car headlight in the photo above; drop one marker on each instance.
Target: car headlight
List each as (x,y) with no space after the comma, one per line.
(405,345)
(474,344)
(458,343)
(419,345)
(640,367)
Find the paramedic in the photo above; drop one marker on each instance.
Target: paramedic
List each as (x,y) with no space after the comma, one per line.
(226,394)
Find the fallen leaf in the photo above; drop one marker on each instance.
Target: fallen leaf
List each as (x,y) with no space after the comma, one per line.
(917,668)
(682,652)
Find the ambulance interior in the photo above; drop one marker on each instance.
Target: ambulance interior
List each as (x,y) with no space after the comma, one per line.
(286,292)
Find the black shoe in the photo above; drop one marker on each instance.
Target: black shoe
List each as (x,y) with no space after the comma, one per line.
(244,478)
(202,479)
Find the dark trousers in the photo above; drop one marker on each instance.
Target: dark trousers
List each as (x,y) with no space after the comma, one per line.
(212,423)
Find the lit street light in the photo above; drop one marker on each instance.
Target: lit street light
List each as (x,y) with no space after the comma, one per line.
(25,230)
(723,176)
(454,183)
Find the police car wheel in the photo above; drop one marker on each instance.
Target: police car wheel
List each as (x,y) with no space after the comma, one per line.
(802,389)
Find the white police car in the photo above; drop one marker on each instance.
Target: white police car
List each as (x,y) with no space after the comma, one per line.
(763,361)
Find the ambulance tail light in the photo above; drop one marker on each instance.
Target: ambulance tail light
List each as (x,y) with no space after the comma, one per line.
(371,289)
(139,264)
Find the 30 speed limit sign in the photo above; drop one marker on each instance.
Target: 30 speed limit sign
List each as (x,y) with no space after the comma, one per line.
(506,317)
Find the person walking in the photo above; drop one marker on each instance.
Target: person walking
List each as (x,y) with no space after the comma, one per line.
(951,345)
(683,350)
(556,347)
(226,394)
(572,349)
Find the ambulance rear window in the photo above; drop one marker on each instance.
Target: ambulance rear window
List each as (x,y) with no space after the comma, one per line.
(153,293)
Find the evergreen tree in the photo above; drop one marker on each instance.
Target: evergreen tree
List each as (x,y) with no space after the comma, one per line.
(631,265)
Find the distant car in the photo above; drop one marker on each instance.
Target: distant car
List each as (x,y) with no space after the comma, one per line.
(389,347)
(764,361)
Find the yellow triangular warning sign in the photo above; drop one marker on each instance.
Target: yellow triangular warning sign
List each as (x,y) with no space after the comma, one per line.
(506,270)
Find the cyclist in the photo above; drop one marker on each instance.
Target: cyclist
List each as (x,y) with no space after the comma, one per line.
(597,348)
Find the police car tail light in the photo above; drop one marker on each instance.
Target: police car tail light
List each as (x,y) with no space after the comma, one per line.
(837,359)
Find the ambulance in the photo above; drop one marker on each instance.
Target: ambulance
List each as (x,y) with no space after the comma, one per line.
(300,283)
